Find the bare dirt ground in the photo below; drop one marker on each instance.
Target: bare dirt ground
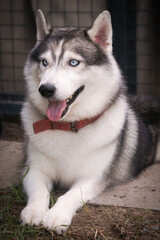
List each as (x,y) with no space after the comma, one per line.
(12,129)
(90,222)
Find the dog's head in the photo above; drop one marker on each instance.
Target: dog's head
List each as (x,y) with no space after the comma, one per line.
(71,73)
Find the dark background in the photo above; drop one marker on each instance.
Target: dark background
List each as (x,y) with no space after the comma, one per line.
(136,40)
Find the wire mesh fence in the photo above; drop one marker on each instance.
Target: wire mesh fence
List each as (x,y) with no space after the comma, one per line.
(140,34)
(148,47)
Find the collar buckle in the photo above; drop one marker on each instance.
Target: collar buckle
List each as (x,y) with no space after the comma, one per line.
(73,127)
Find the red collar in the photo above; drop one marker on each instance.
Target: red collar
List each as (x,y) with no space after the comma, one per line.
(46,124)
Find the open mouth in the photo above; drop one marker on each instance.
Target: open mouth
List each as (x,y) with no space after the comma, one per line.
(70,100)
(58,109)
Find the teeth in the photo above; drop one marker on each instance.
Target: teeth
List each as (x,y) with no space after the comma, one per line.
(71,99)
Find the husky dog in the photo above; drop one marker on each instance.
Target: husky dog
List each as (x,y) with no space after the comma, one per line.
(82,130)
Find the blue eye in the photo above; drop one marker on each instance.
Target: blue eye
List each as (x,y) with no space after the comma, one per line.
(74,63)
(44,62)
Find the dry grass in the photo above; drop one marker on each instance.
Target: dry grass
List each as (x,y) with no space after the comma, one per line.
(91,222)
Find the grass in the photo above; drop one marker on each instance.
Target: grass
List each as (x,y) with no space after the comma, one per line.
(91,222)
(11,203)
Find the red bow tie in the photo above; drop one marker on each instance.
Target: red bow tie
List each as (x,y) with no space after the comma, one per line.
(46,124)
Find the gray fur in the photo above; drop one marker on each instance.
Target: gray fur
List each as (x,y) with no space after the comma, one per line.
(75,40)
(117,146)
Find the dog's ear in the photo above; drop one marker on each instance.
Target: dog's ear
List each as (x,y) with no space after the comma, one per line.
(43,27)
(101,31)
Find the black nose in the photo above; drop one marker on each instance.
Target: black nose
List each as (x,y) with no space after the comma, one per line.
(47,90)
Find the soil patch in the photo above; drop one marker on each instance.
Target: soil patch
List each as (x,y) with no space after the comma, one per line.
(12,129)
(90,222)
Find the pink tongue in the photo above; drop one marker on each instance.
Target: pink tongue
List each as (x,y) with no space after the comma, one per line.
(55,110)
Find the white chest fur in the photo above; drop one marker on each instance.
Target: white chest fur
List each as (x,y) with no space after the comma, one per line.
(67,156)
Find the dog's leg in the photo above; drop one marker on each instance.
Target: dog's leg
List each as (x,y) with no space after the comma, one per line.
(59,217)
(37,186)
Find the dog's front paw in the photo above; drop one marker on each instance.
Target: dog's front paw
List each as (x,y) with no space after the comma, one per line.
(57,220)
(33,215)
